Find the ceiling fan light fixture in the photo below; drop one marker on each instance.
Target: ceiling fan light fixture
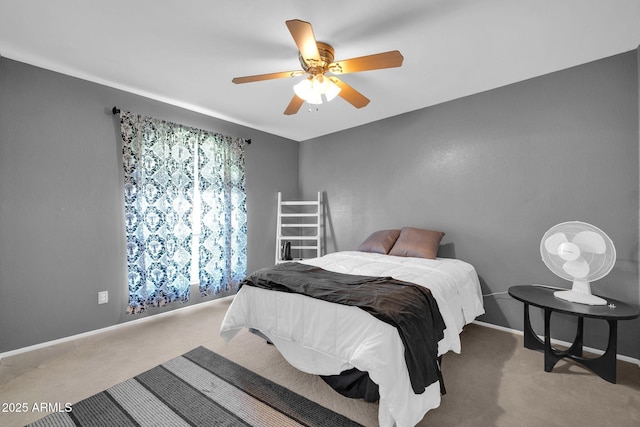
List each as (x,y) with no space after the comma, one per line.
(312,89)
(304,90)
(332,90)
(314,98)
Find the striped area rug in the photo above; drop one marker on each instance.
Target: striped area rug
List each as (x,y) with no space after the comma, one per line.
(199,388)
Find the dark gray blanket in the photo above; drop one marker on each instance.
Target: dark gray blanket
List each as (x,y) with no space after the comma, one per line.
(408,307)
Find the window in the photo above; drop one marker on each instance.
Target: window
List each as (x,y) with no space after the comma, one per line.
(185,211)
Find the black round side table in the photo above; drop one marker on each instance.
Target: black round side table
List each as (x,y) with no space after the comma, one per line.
(542,297)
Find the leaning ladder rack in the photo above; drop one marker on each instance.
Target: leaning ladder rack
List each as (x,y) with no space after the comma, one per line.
(300,222)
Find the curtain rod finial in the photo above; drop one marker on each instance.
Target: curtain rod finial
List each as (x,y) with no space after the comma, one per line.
(115,110)
(248,141)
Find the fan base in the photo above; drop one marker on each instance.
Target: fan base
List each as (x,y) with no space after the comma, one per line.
(580,297)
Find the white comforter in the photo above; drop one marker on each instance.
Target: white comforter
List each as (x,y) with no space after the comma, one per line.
(323,338)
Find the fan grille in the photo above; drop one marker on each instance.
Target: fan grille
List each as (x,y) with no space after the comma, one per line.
(600,264)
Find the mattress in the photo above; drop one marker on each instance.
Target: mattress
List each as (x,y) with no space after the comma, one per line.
(323,338)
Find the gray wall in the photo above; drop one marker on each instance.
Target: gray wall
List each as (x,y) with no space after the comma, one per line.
(495,171)
(61,203)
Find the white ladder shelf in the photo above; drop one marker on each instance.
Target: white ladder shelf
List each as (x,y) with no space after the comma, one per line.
(300,223)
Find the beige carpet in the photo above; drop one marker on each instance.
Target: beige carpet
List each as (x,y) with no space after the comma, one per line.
(494,382)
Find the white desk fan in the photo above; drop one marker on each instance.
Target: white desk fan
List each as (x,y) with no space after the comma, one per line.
(579,252)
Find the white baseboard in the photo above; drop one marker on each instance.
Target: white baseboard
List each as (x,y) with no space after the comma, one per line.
(107,329)
(558,342)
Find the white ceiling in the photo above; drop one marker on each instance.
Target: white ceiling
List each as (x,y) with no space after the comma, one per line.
(185,52)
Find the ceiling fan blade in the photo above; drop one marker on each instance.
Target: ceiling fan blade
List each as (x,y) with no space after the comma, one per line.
(365,63)
(302,33)
(269,76)
(349,94)
(294,105)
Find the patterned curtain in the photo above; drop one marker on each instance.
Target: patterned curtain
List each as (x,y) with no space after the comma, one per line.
(223,214)
(160,173)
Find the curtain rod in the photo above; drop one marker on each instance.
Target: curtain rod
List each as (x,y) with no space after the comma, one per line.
(116,110)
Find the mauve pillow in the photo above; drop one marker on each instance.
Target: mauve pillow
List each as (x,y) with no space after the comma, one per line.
(416,242)
(380,241)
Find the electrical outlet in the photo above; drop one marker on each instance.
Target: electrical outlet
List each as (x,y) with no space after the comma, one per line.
(103,297)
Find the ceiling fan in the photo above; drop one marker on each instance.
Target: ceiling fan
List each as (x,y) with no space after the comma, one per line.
(316,59)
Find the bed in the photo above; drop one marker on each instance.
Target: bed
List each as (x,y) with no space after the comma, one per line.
(324,338)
